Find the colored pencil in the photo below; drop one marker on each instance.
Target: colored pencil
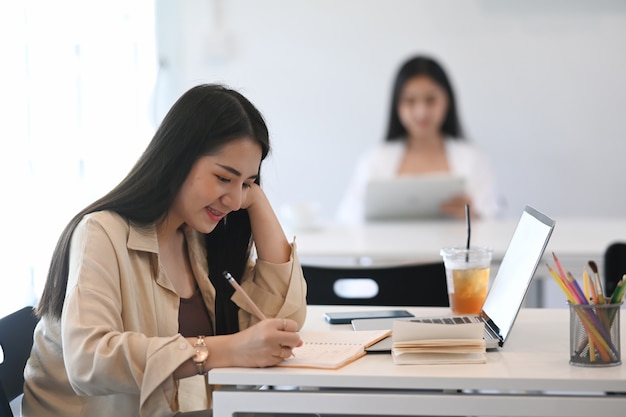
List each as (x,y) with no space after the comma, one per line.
(596,331)
(587,289)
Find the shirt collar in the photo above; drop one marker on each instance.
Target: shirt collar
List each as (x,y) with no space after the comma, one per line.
(143,238)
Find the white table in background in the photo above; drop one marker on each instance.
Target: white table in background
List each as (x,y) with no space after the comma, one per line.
(529,376)
(575,241)
(572,239)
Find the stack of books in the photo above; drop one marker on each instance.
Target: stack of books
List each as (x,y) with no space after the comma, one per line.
(435,343)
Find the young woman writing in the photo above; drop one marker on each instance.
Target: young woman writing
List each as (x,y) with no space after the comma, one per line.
(135,309)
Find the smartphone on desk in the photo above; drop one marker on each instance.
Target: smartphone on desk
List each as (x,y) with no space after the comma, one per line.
(346,317)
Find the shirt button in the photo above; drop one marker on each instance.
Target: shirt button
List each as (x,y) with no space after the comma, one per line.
(183,345)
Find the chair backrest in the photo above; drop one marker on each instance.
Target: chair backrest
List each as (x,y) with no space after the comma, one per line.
(5,407)
(16,339)
(614,265)
(398,285)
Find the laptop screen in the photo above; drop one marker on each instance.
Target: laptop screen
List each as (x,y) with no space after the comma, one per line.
(516,270)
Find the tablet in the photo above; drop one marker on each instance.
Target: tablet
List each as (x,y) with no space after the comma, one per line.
(410,197)
(346,317)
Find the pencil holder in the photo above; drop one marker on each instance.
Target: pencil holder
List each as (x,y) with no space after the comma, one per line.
(595,334)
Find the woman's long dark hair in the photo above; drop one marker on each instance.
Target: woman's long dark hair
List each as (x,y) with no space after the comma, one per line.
(428,67)
(203,120)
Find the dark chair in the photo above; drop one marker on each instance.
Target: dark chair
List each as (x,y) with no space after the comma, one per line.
(398,285)
(16,339)
(614,265)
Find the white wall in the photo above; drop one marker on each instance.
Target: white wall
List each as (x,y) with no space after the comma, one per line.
(540,86)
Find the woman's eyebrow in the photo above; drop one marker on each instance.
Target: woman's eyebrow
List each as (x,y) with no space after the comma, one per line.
(235,172)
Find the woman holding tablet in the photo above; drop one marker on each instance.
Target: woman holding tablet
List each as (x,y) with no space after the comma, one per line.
(424,136)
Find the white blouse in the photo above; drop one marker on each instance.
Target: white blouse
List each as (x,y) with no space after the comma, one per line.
(465,160)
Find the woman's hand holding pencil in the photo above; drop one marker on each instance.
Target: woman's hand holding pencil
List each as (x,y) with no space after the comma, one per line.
(284,325)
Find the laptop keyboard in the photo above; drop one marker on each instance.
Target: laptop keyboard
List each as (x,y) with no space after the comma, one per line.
(447,320)
(488,335)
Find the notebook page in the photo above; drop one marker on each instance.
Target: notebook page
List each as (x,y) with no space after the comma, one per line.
(332,349)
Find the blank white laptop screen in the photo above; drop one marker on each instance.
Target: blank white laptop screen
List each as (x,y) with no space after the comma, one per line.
(517,269)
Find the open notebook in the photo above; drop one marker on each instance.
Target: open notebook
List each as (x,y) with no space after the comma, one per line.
(508,289)
(332,349)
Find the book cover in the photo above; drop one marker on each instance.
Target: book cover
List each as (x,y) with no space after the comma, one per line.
(434,343)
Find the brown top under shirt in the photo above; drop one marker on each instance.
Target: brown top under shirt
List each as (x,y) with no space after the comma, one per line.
(193,317)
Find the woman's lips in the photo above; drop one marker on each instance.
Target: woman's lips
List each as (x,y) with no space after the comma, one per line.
(214,214)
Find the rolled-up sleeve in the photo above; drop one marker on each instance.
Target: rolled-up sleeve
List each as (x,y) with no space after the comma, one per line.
(278,289)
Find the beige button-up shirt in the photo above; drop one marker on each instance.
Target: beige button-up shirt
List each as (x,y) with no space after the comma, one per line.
(117,344)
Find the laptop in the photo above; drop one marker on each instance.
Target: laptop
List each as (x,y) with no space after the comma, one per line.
(410,197)
(507,291)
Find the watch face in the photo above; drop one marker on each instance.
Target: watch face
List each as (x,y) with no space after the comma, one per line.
(201,353)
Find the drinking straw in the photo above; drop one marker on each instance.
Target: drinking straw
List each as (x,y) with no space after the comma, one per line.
(469,231)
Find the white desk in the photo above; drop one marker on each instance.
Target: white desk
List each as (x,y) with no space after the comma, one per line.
(575,241)
(529,376)
(421,241)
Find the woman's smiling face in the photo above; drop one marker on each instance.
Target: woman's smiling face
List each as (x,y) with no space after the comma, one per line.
(216,185)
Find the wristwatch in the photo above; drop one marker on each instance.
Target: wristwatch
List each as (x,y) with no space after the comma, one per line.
(202,353)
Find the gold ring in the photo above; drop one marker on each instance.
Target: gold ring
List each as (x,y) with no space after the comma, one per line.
(284,324)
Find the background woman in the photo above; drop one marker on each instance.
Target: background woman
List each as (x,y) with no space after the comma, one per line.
(424,136)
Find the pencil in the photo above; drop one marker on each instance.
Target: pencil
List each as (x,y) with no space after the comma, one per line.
(586,290)
(618,293)
(251,305)
(592,349)
(561,284)
(567,287)
(576,288)
(593,331)
(559,267)
(592,287)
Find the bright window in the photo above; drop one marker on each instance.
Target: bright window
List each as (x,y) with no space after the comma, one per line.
(76,89)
